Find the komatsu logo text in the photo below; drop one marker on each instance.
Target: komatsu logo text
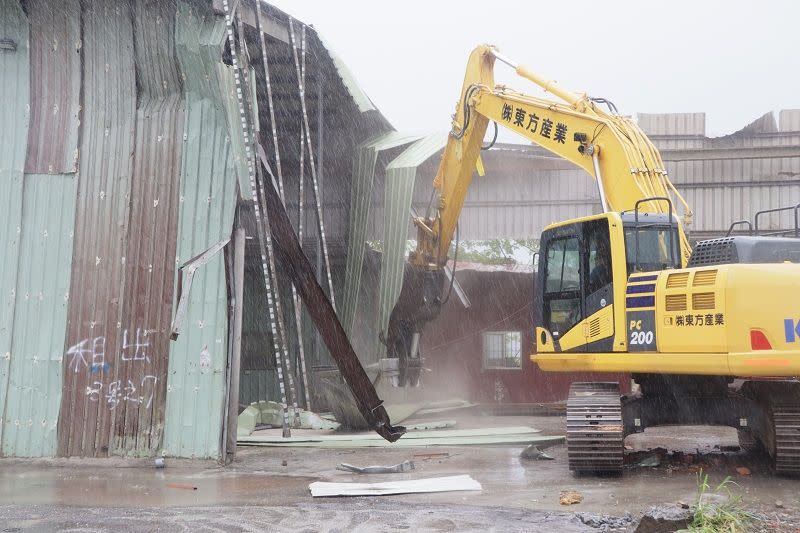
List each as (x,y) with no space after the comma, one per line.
(792,330)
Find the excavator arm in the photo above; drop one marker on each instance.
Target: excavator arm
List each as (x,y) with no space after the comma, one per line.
(611,148)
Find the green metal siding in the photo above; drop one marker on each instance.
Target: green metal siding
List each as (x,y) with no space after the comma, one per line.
(400,177)
(366,157)
(14,118)
(40,315)
(196,395)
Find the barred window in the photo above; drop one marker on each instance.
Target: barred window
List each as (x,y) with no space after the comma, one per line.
(502,349)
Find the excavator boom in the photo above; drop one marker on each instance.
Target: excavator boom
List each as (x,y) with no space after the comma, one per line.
(611,148)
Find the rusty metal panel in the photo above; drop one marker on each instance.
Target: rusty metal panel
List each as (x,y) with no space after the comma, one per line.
(55,83)
(117,347)
(14,93)
(140,375)
(96,331)
(195,396)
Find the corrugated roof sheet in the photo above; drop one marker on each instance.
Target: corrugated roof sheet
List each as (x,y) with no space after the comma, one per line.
(364,163)
(789,119)
(657,124)
(401,174)
(356,92)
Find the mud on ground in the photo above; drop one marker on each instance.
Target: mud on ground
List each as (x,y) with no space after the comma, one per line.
(267,488)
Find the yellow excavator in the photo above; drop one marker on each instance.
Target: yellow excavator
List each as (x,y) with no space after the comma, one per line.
(711,335)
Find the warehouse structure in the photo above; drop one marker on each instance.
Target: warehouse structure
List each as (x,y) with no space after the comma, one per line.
(123,164)
(724,179)
(126,166)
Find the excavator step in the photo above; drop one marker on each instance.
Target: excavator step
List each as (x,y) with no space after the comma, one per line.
(594,428)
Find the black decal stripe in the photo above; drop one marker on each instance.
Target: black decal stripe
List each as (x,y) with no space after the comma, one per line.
(641,289)
(634,302)
(643,278)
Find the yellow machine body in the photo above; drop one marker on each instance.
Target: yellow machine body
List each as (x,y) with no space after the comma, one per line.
(731,319)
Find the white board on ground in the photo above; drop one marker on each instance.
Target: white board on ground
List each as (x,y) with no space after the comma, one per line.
(408,486)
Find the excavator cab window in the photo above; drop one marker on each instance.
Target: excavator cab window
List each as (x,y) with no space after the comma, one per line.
(575,280)
(562,293)
(651,243)
(652,240)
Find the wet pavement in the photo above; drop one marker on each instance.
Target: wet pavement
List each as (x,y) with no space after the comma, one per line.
(267,488)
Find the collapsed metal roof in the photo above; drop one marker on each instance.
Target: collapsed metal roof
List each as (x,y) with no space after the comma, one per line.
(122,161)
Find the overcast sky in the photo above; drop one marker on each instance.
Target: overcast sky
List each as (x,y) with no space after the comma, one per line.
(734,60)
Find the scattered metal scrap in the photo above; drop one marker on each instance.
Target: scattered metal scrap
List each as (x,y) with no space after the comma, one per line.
(265,413)
(533,452)
(182,486)
(433,424)
(435,455)
(405,466)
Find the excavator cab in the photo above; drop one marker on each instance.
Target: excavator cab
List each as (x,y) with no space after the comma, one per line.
(582,284)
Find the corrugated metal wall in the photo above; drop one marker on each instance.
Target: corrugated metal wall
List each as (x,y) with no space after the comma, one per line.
(724,179)
(56,83)
(195,391)
(730,178)
(14,71)
(130,170)
(95,335)
(122,282)
(152,227)
(40,315)
(41,218)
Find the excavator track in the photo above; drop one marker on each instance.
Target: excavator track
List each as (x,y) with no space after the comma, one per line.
(594,428)
(786,420)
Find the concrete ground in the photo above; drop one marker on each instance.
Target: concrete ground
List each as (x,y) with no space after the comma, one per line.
(267,488)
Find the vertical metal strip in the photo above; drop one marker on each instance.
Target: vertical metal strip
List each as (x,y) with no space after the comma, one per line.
(276,290)
(265,62)
(295,300)
(315,188)
(263,240)
(278,306)
(298,304)
(234,362)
